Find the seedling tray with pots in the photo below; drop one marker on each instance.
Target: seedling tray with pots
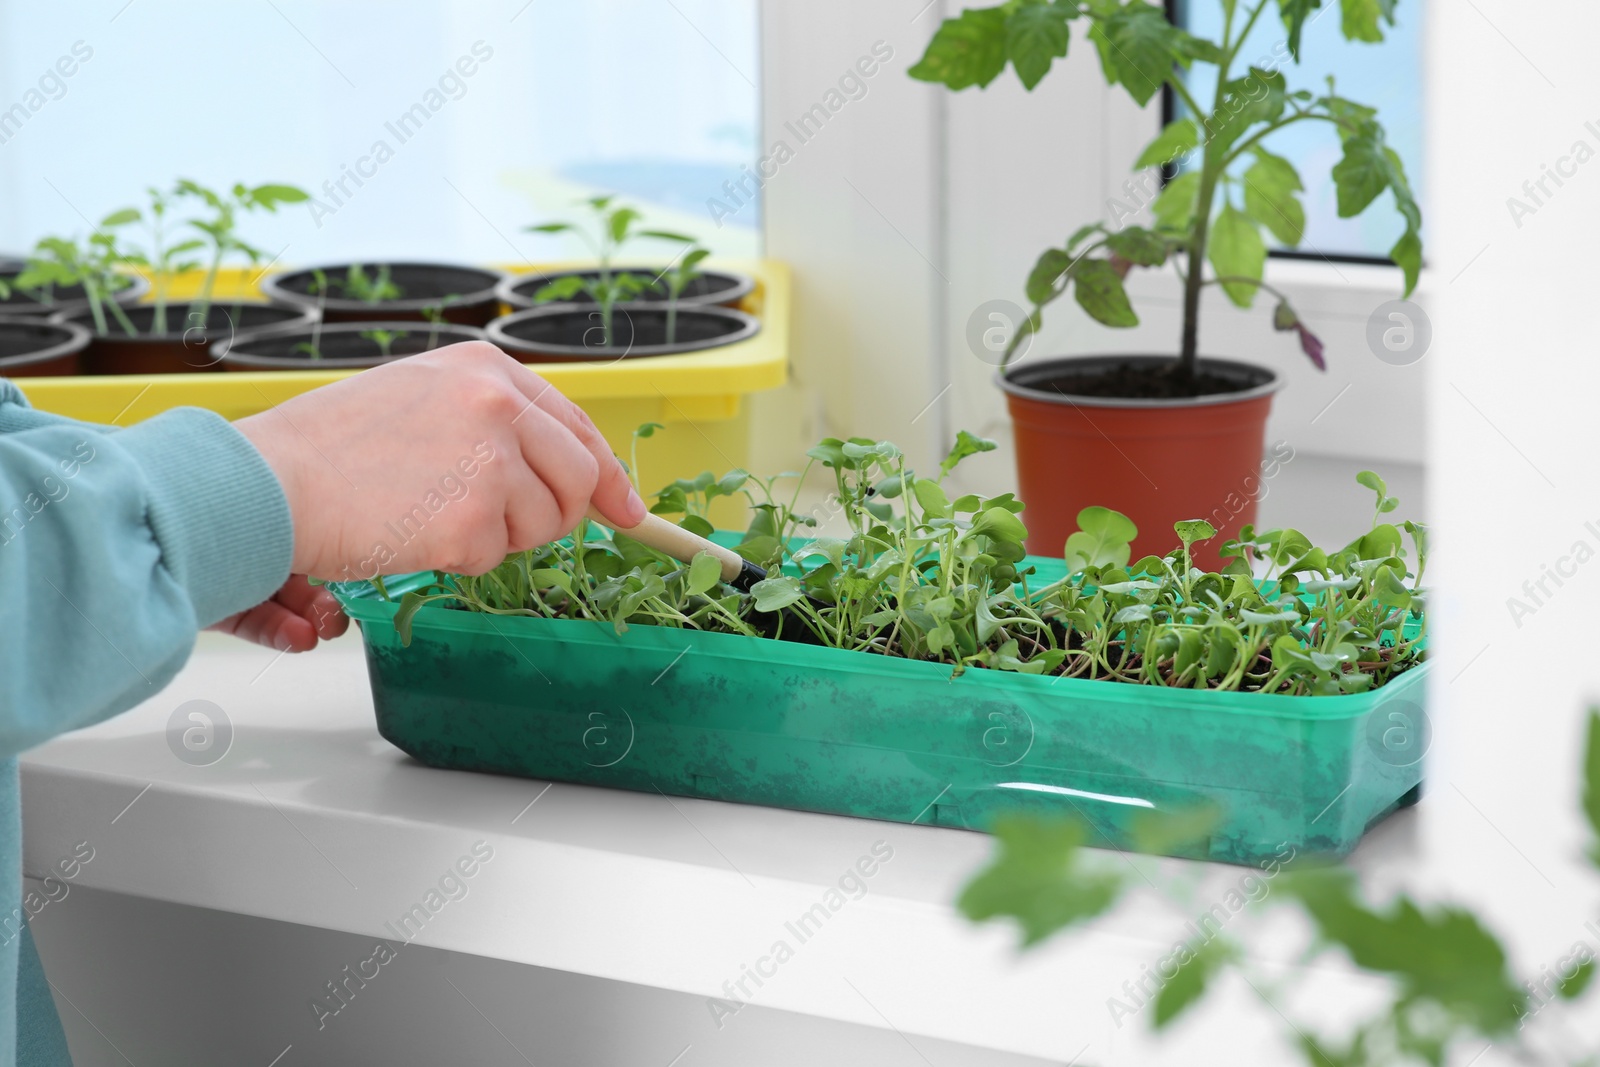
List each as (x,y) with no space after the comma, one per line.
(756,721)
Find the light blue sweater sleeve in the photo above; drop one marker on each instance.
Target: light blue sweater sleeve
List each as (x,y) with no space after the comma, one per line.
(116,547)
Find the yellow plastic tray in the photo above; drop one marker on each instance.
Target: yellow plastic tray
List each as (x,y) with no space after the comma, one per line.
(698,397)
(703,385)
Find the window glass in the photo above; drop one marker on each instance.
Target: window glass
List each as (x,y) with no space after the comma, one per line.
(1387,76)
(424,128)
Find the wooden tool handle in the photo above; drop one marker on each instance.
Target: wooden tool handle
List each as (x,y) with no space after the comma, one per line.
(675,541)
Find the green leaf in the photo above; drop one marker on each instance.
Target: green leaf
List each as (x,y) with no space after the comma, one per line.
(774,594)
(1407,255)
(830,453)
(967,50)
(1103,538)
(932,498)
(648,429)
(1444,955)
(1591,776)
(1361,19)
(1196,968)
(672,235)
(1000,524)
(1041,287)
(550,227)
(1372,481)
(1360,176)
(1571,988)
(1138,48)
(1036,879)
(705,572)
(697,524)
(563,288)
(270,196)
(1082,233)
(1036,36)
(1389,590)
(1180,136)
(619,221)
(410,604)
(1191,530)
(1140,246)
(966,445)
(1163,831)
(1264,618)
(1236,250)
(1100,292)
(1269,196)
(121,218)
(1295,13)
(1175,208)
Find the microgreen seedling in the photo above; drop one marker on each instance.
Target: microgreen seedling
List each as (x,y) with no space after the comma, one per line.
(922,576)
(612,227)
(1212,152)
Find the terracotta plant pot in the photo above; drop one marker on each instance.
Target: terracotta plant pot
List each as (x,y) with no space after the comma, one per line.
(470,292)
(1156,461)
(571,333)
(30,348)
(341,344)
(182,349)
(712,288)
(61,300)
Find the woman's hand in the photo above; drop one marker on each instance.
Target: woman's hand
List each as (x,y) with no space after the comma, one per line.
(297,616)
(450,460)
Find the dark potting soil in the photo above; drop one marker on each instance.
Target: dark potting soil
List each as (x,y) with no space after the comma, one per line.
(1133,382)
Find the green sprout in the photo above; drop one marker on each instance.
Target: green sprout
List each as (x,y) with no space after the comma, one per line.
(1214,150)
(373,289)
(434,314)
(678,278)
(613,227)
(925,577)
(94,264)
(219,230)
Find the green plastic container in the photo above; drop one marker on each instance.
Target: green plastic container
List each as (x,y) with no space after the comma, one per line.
(756,721)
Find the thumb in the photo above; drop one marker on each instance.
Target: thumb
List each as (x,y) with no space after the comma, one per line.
(614,497)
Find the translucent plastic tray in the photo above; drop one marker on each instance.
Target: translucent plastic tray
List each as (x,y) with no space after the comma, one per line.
(756,721)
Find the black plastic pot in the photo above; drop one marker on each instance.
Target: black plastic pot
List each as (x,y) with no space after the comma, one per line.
(62,300)
(712,288)
(30,348)
(341,345)
(423,286)
(569,333)
(188,346)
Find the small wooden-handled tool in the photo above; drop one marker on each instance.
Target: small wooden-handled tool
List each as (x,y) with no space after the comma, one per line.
(683,545)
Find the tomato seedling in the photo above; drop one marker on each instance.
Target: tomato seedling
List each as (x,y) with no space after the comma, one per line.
(610,227)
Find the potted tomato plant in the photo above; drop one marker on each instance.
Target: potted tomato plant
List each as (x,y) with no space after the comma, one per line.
(391,292)
(1170,435)
(164,335)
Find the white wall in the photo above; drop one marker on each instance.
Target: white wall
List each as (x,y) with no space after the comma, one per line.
(856,212)
(1512,400)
